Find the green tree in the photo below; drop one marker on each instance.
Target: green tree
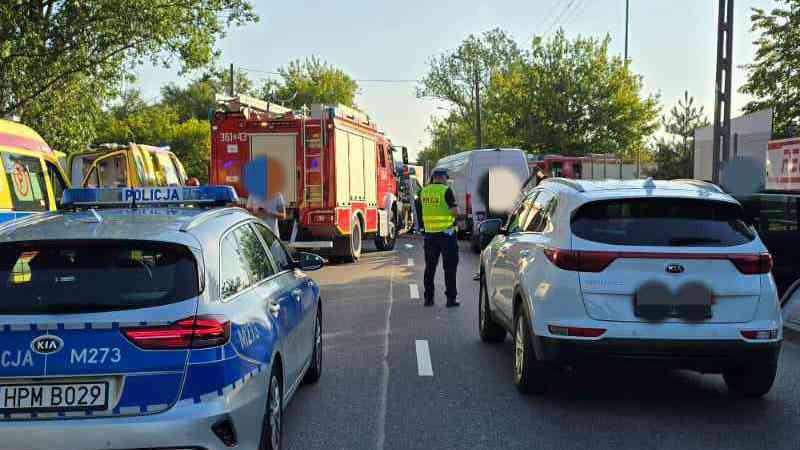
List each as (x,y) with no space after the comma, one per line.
(559,96)
(573,98)
(308,82)
(774,74)
(673,157)
(453,75)
(198,97)
(60,58)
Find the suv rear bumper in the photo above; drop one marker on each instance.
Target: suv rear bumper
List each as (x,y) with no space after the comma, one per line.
(703,356)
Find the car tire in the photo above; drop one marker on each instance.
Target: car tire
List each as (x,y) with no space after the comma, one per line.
(386,243)
(530,376)
(489,330)
(272,425)
(314,371)
(753,381)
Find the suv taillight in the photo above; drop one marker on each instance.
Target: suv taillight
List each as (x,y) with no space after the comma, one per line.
(580,261)
(192,332)
(752,264)
(590,261)
(468,204)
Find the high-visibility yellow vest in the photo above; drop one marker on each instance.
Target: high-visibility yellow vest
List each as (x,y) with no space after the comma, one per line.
(436,215)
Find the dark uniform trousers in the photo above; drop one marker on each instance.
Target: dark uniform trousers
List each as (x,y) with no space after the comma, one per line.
(447,246)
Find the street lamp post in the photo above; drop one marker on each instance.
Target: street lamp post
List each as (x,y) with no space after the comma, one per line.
(477,80)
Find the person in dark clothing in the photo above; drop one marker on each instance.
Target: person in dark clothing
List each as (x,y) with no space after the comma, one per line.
(437,209)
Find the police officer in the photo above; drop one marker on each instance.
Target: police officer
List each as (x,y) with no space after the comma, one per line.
(438,212)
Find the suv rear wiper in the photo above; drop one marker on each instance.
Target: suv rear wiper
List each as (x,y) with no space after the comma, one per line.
(694,240)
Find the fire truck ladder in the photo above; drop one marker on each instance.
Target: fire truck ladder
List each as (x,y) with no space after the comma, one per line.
(312,194)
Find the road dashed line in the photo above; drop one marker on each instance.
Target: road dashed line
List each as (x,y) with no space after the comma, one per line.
(424,364)
(413,290)
(410,262)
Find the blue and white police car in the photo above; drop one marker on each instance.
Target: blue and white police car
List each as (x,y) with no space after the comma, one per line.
(151,318)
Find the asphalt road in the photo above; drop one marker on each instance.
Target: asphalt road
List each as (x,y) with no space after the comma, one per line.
(372,396)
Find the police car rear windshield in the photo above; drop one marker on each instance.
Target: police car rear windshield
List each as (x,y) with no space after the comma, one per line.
(666,222)
(69,277)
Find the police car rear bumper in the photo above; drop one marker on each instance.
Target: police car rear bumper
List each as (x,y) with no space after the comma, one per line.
(184,426)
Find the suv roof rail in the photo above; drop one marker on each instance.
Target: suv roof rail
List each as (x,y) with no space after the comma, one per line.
(699,184)
(208,215)
(566,182)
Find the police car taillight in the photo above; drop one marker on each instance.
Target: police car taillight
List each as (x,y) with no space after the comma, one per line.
(193,332)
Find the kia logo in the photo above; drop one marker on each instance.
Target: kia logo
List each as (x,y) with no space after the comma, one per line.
(47,344)
(674,268)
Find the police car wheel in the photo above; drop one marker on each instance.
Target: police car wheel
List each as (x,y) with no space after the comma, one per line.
(272,428)
(315,369)
(489,330)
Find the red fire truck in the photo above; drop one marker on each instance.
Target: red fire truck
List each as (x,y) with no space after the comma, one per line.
(333,167)
(594,166)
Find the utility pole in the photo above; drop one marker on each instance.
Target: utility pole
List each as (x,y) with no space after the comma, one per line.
(627,20)
(231,84)
(478,137)
(722,104)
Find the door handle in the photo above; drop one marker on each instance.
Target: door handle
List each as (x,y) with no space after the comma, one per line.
(274,308)
(297,294)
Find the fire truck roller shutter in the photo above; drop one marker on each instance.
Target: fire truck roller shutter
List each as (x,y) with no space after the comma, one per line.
(342,156)
(356,148)
(279,149)
(370,172)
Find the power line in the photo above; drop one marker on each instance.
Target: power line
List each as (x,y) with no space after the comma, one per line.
(560,17)
(362,80)
(545,19)
(576,12)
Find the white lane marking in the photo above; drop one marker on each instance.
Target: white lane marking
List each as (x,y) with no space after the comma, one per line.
(409,246)
(381,425)
(410,262)
(424,365)
(414,290)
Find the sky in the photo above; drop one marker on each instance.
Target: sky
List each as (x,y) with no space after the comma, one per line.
(672,44)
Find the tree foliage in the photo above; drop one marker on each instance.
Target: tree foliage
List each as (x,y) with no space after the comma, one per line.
(308,82)
(774,74)
(673,157)
(197,98)
(61,58)
(558,96)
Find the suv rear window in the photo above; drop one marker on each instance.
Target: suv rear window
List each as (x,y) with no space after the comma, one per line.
(68,277)
(665,222)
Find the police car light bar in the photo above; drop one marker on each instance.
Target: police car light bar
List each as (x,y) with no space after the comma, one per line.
(100,197)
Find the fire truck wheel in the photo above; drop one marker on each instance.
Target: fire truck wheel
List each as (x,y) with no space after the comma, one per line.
(354,242)
(386,243)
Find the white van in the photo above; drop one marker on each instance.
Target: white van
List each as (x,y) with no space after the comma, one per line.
(473,187)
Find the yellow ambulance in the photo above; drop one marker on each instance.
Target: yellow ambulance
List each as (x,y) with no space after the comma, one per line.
(129,165)
(32,180)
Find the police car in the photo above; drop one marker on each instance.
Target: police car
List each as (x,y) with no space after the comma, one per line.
(151,318)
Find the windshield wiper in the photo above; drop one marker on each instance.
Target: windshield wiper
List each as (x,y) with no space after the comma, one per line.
(694,241)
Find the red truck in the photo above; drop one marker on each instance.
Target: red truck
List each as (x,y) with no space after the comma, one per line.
(332,165)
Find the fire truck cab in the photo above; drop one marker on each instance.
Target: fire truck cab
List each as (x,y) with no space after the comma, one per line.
(331,164)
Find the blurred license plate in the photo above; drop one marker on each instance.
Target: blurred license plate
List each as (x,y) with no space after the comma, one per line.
(53,397)
(655,302)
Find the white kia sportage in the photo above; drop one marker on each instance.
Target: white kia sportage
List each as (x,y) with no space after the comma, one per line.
(659,272)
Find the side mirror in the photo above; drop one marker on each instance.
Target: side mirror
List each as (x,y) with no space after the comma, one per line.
(308,261)
(487,230)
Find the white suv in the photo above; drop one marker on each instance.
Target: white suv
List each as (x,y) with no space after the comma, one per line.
(661,272)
